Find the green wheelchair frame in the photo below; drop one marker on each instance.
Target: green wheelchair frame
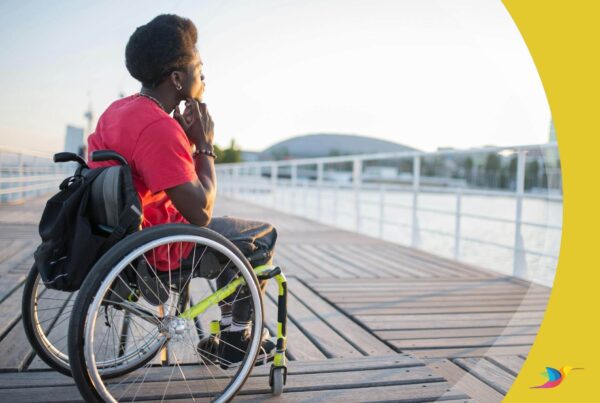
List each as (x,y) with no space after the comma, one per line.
(278,372)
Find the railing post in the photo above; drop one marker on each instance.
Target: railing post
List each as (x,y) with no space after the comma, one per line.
(458,213)
(258,182)
(3,197)
(235,184)
(274,175)
(415,186)
(294,181)
(336,187)
(519,258)
(21,177)
(356,185)
(381,209)
(319,187)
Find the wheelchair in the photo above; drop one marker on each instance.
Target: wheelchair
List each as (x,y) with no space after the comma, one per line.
(141,331)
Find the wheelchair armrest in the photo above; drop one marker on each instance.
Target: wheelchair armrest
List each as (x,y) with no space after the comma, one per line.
(108,155)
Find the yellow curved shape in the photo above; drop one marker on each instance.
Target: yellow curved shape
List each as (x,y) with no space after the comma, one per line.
(564,40)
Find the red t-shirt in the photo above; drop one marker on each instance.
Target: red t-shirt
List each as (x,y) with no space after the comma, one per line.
(158,151)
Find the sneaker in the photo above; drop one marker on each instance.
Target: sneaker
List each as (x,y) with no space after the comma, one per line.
(225,328)
(208,349)
(150,285)
(233,346)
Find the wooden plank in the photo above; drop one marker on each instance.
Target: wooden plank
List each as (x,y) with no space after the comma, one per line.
(458,332)
(428,304)
(425,392)
(463,342)
(392,267)
(466,382)
(357,254)
(430,269)
(430,391)
(454,317)
(471,352)
(427,280)
(380,372)
(439,261)
(350,261)
(356,335)
(392,286)
(11,380)
(388,294)
(314,266)
(423,298)
(22,259)
(290,267)
(296,382)
(326,339)
(324,269)
(429,283)
(424,324)
(445,309)
(487,372)
(299,346)
(8,247)
(15,350)
(510,363)
(299,266)
(10,311)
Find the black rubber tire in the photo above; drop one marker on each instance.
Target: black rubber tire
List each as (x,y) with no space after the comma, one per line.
(101,269)
(30,328)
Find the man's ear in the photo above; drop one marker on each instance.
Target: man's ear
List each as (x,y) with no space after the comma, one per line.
(177,79)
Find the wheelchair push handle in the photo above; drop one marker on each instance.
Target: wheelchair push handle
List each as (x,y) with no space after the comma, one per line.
(108,155)
(67,157)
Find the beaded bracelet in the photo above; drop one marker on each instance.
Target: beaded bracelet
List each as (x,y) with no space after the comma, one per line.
(204,151)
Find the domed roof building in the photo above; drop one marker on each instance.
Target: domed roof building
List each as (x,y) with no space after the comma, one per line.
(329,144)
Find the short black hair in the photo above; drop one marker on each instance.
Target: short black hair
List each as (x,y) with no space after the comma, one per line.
(154,50)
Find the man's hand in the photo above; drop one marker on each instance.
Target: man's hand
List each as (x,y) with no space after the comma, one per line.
(196,122)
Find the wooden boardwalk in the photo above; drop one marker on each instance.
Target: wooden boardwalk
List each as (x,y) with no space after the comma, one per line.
(368,320)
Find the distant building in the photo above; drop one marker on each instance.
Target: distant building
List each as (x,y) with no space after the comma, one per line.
(326,145)
(74,140)
(552,132)
(251,156)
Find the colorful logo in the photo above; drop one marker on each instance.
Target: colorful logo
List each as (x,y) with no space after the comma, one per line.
(554,376)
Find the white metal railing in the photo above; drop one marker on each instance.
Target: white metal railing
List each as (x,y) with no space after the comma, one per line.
(27,174)
(290,185)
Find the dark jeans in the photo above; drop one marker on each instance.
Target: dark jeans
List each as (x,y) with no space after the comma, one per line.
(255,239)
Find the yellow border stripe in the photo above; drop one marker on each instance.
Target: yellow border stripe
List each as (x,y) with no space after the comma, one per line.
(564,40)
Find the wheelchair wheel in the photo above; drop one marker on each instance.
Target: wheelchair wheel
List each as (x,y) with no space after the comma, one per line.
(46,314)
(161,345)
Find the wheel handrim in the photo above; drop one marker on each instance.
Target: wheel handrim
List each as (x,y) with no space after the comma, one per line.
(91,317)
(55,353)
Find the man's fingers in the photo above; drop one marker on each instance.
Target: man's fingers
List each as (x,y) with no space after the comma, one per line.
(177,116)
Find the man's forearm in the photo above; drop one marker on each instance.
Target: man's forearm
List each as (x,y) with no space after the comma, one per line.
(205,169)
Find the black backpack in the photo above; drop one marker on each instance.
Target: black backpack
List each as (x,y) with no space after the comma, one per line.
(94,209)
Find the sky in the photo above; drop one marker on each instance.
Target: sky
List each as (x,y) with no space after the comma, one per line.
(424,73)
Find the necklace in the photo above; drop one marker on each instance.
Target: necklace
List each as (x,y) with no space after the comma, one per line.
(153,99)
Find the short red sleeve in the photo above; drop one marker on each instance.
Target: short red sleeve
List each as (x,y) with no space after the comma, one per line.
(162,156)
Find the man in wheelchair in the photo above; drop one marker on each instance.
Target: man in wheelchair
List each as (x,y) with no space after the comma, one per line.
(172,164)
